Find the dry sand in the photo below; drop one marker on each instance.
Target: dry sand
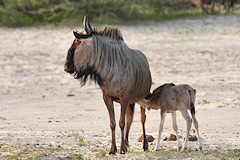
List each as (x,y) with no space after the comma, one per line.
(35,111)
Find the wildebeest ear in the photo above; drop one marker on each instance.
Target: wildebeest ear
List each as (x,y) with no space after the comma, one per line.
(80,36)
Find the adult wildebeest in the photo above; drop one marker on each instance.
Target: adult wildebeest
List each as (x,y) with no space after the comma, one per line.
(170,98)
(122,73)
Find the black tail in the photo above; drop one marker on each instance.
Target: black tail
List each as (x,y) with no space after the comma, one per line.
(132,107)
(192,101)
(192,108)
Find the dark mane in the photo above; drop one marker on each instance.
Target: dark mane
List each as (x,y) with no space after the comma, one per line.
(83,74)
(109,31)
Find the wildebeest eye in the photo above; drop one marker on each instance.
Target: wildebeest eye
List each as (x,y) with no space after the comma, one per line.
(77,41)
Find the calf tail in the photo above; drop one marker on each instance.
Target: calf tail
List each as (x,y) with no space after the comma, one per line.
(192,94)
(192,108)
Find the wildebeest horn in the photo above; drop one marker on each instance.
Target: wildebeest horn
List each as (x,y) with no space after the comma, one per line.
(80,36)
(89,26)
(85,25)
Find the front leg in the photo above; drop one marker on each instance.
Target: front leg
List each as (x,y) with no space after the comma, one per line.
(143,120)
(109,103)
(124,105)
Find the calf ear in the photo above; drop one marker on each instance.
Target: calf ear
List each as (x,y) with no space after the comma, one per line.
(80,36)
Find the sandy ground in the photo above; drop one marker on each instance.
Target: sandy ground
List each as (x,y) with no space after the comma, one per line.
(35,108)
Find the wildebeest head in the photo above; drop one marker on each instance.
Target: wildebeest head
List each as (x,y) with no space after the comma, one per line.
(78,55)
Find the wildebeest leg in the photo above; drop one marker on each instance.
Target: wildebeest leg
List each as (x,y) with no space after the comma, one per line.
(124,105)
(175,128)
(189,124)
(143,120)
(129,118)
(196,127)
(163,114)
(109,103)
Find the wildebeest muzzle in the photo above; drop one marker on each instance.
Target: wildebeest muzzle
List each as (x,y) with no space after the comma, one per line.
(69,64)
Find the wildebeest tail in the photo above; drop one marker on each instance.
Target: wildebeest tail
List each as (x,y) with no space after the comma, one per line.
(192,94)
(132,108)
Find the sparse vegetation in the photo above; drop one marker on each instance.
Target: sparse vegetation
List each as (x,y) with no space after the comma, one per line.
(2,144)
(75,156)
(2,118)
(20,70)
(55,151)
(81,143)
(98,152)
(78,137)
(166,153)
(203,101)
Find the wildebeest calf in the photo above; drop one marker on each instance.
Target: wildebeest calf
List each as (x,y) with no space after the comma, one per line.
(170,98)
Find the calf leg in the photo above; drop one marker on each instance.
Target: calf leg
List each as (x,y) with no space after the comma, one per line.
(143,120)
(196,127)
(189,124)
(175,128)
(109,103)
(129,118)
(163,114)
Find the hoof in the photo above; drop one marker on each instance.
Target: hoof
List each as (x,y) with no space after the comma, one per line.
(179,149)
(111,153)
(200,148)
(145,149)
(123,149)
(184,149)
(112,150)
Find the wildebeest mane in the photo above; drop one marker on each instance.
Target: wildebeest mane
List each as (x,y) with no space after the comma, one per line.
(109,31)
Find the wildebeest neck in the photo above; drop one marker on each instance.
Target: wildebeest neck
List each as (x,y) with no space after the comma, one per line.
(69,64)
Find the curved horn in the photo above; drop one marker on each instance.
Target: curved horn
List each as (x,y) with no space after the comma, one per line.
(89,26)
(85,25)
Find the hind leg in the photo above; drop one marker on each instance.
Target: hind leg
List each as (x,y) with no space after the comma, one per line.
(175,128)
(189,124)
(163,114)
(129,118)
(124,106)
(195,123)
